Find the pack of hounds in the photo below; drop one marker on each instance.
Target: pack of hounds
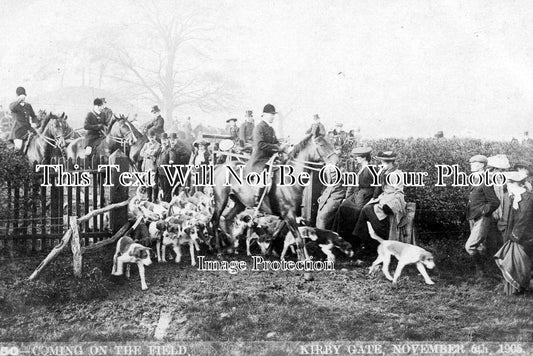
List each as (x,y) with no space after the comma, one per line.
(185,221)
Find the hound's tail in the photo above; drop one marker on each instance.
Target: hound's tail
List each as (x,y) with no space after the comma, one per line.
(373,233)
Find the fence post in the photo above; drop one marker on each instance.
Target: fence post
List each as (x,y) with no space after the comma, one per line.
(118,193)
(75,246)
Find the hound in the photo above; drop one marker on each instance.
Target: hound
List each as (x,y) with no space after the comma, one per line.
(405,253)
(128,251)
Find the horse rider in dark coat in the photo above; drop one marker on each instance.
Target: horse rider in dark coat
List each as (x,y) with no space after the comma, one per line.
(95,125)
(265,144)
(317,128)
(22,113)
(246,132)
(158,123)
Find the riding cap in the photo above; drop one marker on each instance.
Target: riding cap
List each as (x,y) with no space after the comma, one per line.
(98,102)
(479,158)
(386,156)
(269,109)
(155,109)
(21,91)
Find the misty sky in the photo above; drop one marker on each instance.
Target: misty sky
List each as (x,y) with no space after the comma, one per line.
(407,68)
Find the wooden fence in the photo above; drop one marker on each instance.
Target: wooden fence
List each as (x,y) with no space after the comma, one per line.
(34,217)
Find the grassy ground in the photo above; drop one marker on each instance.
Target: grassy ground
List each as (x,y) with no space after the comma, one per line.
(216,306)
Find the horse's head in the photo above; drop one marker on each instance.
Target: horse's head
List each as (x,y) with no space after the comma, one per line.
(56,128)
(121,128)
(314,148)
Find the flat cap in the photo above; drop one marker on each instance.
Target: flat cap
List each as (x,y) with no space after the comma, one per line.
(498,161)
(361,151)
(479,158)
(386,156)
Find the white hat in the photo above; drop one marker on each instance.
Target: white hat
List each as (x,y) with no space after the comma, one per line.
(498,161)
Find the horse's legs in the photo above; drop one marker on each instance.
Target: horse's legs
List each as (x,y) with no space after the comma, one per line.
(235,210)
(221,200)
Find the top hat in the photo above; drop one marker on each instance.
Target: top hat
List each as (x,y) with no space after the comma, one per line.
(155,109)
(269,109)
(98,102)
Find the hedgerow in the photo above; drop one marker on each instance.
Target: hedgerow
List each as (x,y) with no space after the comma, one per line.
(443,207)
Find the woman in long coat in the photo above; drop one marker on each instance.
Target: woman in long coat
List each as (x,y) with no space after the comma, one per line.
(356,197)
(387,201)
(515,257)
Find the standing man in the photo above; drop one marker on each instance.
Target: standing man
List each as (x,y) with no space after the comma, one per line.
(167,156)
(265,144)
(232,129)
(149,153)
(22,114)
(317,128)
(95,126)
(482,202)
(160,178)
(158,123)
(246,131)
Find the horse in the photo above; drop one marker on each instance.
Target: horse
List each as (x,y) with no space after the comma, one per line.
(119,134)
(310,150)
(52,134)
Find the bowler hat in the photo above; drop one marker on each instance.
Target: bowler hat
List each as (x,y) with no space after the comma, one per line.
(361,151)
(386,156)
(248,113)
(498,161)
(21,91)
(269,109)
(232,119)
(164,136)
(479,158)
(173,135)
(98,102)
(155,109)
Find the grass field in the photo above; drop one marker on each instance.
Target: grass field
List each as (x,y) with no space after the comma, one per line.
(216,306)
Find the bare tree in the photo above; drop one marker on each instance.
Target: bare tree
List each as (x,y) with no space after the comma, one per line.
(166,58)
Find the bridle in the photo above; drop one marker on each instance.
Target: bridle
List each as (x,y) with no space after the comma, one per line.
(314,166)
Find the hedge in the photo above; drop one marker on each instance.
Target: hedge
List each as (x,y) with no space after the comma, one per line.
(441,208)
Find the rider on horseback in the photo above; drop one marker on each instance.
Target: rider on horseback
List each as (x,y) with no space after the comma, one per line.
(265,145)
(22,113)
(157,124)
(95,125)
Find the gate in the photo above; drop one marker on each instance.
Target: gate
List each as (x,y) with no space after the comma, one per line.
(35,217)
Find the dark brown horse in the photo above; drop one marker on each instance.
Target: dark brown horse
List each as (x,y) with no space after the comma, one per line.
(289,198)
(50,139)
(119,135)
